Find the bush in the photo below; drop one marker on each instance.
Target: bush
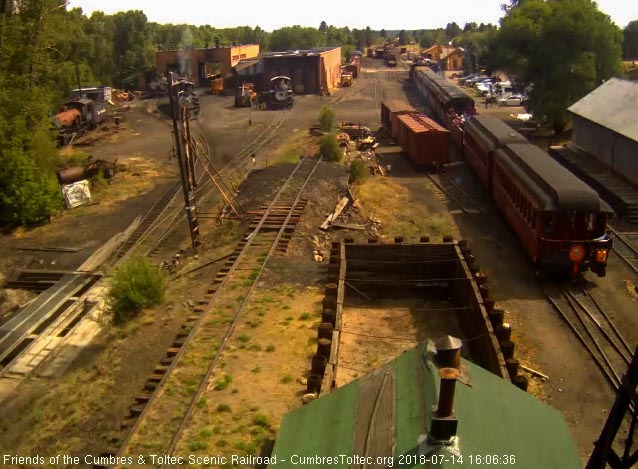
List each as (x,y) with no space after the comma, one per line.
(326,119)
(330,149)
(357,171)
(137,284)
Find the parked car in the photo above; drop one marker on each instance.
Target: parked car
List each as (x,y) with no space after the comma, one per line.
(464,78)
(511,100)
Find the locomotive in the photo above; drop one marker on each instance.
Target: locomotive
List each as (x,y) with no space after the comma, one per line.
(280,95)
(560,221)
(77,117)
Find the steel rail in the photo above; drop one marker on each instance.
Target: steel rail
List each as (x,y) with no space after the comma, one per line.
(200,320)
(238,314)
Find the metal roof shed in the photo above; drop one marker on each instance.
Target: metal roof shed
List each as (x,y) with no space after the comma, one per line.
(605,126)
(387,413)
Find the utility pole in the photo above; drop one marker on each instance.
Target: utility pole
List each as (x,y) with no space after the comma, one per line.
(180,117)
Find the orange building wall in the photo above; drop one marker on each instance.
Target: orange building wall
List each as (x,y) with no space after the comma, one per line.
(331,68)
(227,57)
(449,61)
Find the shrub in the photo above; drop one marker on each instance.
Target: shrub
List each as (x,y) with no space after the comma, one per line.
(326,118)
(330,149)
(357,171)
(137,284)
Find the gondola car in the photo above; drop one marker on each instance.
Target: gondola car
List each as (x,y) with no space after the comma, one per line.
(482,136)
(560,221)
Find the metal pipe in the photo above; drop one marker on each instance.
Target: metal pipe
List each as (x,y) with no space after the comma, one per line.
(445,407)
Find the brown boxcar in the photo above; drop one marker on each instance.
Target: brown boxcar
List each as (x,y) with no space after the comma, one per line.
(423,140)
(390,109)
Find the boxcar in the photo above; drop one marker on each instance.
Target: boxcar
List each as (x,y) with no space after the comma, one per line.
(390,109)
(424,141)
(560,221)
(484,135)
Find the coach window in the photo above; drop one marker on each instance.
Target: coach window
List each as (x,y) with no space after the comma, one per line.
(589,222)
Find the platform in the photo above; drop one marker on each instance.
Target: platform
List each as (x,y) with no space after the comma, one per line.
(612,187)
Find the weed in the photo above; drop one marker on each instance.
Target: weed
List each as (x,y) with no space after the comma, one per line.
(223,383)
(137,284)
(261,421)
(357,171)
(255,431)
(217,429)
(289,318)
(240,445)
(330,149)
(304,317)
(205,433)
(257,369)
(244,338)
(201,403)
(255,347)
(285,379)
(270,348)
(223,408)
(286,307)
(196,445)
(234,391)
(221,443)
(326,118)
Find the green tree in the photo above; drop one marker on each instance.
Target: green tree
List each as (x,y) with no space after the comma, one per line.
(452,30)
(564,49)
(403,38)
(329,148)
(323,27)
(296,37)
(630,41)
(383,34)
(326,118)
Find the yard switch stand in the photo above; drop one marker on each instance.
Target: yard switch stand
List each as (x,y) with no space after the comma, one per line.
(181,131)
(626,400)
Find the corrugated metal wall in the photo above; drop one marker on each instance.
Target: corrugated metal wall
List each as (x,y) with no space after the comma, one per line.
(614,150)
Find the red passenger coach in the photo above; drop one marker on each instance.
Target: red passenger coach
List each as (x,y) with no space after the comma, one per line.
(423,140)
(483,136)
(390,110)
(560,221)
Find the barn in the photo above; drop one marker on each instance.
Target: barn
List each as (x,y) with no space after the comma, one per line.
(604,126)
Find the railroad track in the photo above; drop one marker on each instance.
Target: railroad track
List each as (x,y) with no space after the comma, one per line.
(163,410)
(624,249)
(457,196)
(594,328)
(168,212)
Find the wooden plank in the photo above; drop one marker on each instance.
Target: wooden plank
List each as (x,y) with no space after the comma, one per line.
(326,384)
(337,211)
(348,226)
(48,249)
(334,348)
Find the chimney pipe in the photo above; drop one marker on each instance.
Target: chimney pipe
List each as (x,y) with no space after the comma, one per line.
(448,352)
(448,376)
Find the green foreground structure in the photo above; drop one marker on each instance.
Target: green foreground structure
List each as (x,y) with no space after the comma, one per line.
(383,419)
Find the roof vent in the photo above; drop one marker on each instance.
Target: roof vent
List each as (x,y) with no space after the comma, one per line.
(448,352)
(444,422)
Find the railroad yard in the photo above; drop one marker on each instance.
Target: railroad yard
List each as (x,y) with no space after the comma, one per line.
(215,368)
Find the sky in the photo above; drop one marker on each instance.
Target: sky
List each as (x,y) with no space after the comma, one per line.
(411,15)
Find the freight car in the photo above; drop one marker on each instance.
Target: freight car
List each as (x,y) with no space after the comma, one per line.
(560,221)
(424,141)
(390,110)
(78,117)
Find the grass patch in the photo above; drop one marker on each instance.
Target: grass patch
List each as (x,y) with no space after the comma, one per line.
(223,383)
(257,369)
(261,421)
(137,284)
(285,379)
(196,445)
(223,408)
(201,403)
(304,317)
(270,348)
(244,338)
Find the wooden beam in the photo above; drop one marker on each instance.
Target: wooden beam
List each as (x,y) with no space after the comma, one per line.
(333,216)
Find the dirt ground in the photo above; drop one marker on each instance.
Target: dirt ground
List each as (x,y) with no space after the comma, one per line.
(80,412)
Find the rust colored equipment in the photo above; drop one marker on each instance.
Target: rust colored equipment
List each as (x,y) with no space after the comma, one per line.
(346,79)
(390,110)
(67,119)
(424,141)
(245,95)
